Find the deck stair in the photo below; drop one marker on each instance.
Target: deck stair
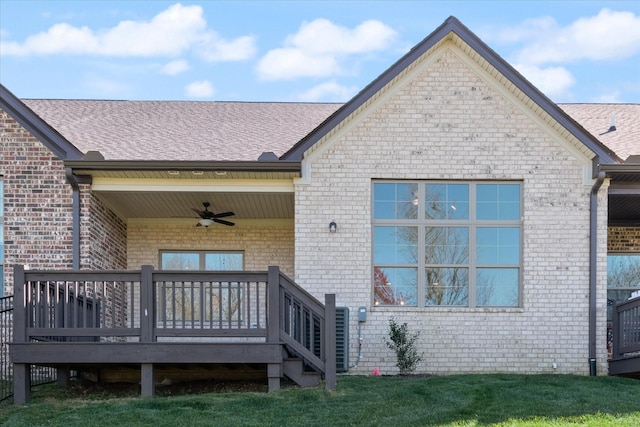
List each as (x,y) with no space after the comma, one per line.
(295,370)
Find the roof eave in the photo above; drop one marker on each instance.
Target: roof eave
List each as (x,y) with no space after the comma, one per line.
(165,165)
(40,129)
(452,24)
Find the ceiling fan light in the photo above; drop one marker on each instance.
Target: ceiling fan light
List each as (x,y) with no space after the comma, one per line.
(205,222)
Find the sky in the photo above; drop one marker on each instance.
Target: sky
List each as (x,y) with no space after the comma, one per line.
(301,51)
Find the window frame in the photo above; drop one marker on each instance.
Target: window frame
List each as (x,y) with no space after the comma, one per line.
(202,254)
(471,223)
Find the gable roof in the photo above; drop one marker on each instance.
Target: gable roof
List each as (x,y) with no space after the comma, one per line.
(452,25)
(39,128)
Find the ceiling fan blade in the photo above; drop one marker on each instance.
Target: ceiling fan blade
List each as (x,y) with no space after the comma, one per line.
(222,221)
(222,215)
(198,211)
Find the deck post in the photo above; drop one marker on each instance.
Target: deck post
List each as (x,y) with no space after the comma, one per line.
(274,370)
(147,314)
(21,383)
(330,341)
(147,386)
(21,371)
(615,331)
(62,377)
(147,323)
(19,305)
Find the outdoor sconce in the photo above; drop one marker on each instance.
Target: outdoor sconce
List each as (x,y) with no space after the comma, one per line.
(333,227)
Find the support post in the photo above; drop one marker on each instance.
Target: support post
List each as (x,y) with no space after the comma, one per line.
(21,383)
(274,370)
(62,375)
(330,341)
(147,385)
(21,371)
(147,314)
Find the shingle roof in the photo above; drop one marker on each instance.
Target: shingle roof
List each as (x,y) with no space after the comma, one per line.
(181,130)
(229,131)
(596,118)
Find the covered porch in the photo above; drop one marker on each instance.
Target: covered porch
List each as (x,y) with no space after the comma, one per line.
(146,318)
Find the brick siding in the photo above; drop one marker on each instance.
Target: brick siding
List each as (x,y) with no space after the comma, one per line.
(449,123)
(38,222)
(624,239)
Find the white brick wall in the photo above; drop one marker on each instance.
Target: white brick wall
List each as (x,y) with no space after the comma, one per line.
(264,243)
(450,123)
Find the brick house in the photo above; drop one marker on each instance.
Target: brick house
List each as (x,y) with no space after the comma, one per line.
(463,202)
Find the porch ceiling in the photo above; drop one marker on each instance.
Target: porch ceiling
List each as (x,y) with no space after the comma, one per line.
(155,204)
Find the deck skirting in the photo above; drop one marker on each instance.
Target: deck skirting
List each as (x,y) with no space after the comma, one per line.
(53,353)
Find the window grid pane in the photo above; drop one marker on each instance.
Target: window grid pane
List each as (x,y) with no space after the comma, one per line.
(395,201)
(447,201)
(446,245)
(497,287)
(447,286)
(498,201)
(395,286)
(395,245)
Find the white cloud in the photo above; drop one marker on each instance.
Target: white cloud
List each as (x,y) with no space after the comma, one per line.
(323,36)
(552,81)
(328,92)
(608,35)
(175,67)
(172,32)
(200,89)
(214,49)
(321,47)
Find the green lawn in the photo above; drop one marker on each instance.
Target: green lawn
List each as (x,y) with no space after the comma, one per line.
(459,400)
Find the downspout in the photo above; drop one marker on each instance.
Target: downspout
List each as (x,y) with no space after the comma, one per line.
(71,179)
(593,269)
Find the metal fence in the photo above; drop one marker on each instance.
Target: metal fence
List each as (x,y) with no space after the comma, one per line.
(39,374)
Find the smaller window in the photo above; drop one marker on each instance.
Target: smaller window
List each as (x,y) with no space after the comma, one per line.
(623,278)
(202,260)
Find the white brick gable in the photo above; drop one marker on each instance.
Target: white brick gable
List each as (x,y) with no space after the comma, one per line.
(448,119)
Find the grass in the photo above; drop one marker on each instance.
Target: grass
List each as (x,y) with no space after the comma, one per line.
(459,400)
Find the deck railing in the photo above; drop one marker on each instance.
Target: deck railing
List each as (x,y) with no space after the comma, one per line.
(626,328)
(149,306)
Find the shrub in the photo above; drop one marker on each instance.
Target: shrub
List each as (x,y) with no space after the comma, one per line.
(403,344)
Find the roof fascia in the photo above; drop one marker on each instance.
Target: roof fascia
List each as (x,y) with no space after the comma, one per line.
(452,24)
(621,169)
(162,165)
(37,127)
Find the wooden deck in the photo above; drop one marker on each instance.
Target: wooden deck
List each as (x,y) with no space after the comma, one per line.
(147,318)
(625,356)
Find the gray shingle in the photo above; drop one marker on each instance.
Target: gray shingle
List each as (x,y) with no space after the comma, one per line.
(228,131)
(181,130)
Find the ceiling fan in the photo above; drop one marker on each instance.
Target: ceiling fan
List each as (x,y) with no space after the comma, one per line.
(207,217)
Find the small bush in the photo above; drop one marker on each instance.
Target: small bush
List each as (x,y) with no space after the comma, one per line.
(403,344)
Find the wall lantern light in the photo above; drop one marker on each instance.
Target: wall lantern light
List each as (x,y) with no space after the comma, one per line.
(333,227)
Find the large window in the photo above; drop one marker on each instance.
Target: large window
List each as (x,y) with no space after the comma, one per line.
(447,243)
(623,277)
